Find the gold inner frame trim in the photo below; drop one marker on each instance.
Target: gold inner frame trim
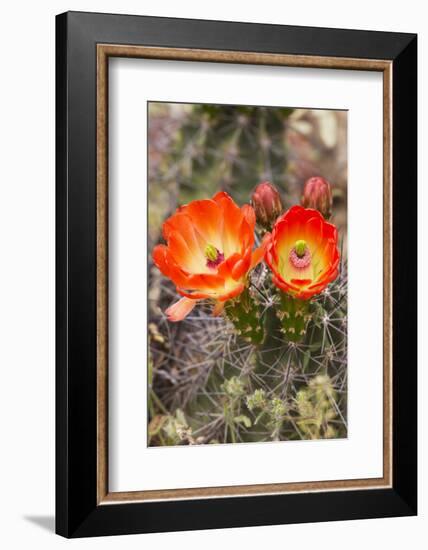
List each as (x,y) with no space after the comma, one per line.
(104,51)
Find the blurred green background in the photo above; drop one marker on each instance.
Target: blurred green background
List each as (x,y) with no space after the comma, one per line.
(197,150)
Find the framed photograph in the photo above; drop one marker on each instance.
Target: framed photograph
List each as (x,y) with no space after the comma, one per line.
(236,274)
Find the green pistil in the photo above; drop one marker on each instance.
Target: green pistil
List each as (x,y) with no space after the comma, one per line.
(211,252)
(300,248)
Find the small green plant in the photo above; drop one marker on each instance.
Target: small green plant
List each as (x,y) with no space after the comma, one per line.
(316,408)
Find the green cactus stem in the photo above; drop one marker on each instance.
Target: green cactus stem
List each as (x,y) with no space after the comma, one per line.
(245,314)
(294,315)
(235,148)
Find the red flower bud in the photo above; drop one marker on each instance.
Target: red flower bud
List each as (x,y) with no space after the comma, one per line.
(317,195)
(267,204)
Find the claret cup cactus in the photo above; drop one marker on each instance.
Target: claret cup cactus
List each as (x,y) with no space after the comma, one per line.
(264,291)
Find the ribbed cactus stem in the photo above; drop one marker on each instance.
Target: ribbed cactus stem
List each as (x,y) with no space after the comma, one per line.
(294,315)
(245,314)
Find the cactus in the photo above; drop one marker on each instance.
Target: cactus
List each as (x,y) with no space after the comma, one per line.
(231,147)
(233,390)
(294,315)
(271,367)
(244,313)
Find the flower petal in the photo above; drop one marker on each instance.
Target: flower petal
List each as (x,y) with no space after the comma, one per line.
(218,309)
(190,258)
(182,224)
(225,268)
(301,282)
(232,293)
(180,309)
(207,219)
(242,266)
(258,253)
(205,281)
(159,254)
(233,219)
(249,215)
(195,295)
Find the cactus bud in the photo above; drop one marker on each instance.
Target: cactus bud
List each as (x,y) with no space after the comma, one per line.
(267,204)
(317,194)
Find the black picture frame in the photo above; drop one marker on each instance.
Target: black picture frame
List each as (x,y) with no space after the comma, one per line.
(77,511)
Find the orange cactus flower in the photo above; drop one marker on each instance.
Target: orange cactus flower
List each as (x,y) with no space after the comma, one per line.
(302,252)
(209,252)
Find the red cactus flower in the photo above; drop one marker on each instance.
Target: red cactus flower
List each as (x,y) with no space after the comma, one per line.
(302,252)
(209,252)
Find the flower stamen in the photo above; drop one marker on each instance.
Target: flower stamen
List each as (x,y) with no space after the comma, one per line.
(300,248)
(299,256)
(214,256)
